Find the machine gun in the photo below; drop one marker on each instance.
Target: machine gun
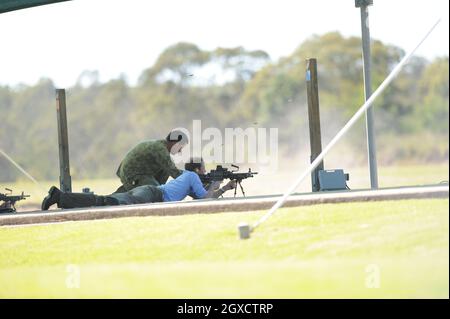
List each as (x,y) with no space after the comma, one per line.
(9,201)
(221,173)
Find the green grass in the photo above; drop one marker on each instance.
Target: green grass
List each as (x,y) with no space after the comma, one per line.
(318,251)
(395,176)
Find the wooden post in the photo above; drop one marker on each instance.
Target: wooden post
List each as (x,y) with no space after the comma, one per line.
(64,165)
(312,88)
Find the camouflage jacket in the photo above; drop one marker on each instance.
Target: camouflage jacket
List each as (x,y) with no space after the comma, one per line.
(149,158)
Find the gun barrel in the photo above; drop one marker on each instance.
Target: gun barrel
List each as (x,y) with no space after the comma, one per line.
(221,173)
(12,198)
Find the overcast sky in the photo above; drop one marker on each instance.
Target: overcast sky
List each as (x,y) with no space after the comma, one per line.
(116,37)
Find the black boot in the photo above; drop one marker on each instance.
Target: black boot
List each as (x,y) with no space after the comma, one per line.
(52,198)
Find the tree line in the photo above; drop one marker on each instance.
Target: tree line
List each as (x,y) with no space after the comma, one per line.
(228,87)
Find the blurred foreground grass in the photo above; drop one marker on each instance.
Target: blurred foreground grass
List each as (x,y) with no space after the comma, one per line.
(396,249)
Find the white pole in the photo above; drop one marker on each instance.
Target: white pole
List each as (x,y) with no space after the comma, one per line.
(344,130)
(22,170)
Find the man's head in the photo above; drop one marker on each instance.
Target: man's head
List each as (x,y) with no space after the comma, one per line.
(176,140)
(196,165)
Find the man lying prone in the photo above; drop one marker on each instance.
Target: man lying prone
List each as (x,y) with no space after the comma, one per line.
(187,184)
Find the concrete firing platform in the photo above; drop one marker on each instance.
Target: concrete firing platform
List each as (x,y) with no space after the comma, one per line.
(223,205)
